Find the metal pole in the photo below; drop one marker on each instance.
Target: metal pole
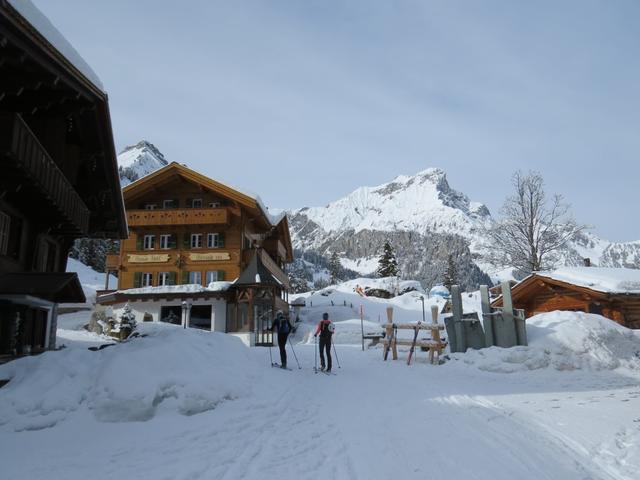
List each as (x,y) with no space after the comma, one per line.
(362,325)
(423,317)
(294,354)
(336,353)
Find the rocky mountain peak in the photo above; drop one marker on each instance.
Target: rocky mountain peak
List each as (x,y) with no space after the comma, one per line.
(138,160)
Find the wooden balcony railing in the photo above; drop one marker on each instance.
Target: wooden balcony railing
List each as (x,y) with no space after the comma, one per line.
(178,216)
(33,161)
(273,267)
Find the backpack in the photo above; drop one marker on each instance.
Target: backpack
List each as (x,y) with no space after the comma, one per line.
(327,328)
(284,326)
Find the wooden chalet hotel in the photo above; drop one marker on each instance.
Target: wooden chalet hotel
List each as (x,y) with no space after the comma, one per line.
(58,180)
(200,254)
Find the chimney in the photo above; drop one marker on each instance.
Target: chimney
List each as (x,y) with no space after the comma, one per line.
(587,262)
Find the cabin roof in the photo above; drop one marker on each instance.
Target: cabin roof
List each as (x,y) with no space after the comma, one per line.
(599,282)
(55,287)
(56,41)
(244,198)
(599,279)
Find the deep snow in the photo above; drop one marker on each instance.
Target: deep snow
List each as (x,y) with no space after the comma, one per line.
(187,404)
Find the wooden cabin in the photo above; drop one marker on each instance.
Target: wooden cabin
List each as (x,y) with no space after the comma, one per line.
(611,292)
(58,179)
(189,233)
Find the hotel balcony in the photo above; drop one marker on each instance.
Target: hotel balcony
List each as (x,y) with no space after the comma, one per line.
(178,216)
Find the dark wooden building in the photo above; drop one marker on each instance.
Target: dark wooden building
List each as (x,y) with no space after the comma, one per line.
(58,176)
(611,292)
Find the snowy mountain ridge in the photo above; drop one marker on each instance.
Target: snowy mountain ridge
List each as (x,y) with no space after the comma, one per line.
(138,160)
(422,202)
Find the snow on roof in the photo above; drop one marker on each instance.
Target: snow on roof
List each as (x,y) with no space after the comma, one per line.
(44,26)
(601,279)
(190,288)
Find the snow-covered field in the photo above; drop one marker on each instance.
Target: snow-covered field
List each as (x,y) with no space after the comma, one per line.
(187,404)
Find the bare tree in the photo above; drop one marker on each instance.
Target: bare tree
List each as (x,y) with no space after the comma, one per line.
(532,227)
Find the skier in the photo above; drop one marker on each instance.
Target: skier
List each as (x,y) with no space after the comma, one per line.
(325,330)
(284,328)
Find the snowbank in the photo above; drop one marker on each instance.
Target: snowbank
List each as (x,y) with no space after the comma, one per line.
(90,281)
(564,341)
(170,369)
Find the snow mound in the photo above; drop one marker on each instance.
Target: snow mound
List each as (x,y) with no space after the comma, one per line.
(170,369)
(564,341)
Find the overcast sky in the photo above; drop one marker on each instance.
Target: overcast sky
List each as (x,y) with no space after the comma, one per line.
(304,101)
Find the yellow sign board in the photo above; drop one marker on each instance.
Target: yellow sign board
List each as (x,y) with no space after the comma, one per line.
(209,257)
(153,258)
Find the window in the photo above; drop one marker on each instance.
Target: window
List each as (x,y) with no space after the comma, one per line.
(149,242)
(5,222)
(214,204)
(169,204)
(196,240)
(195,278)
(214,240)
(212,277)
(150,206)
(147,279)
(164,278)
(196,203)
(165,241)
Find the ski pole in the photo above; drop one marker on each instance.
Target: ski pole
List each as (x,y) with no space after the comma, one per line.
(294,354)
(336,354)
(315,357)
(271,355)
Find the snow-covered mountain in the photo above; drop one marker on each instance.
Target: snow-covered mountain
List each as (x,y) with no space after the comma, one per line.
(426,221)
(422,202)
(138,160)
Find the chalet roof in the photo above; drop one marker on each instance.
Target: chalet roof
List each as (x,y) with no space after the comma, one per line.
(256,273)
(169,292)
(599,279)
(45,28)
(244,198)
(55,287)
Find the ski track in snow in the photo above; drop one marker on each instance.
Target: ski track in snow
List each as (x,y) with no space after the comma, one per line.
(373,420)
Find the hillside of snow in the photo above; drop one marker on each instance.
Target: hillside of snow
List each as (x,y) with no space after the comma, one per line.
(90,279)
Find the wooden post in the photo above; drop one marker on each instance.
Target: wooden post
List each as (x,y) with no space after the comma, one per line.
(487,320)
(435,335)
(394,347)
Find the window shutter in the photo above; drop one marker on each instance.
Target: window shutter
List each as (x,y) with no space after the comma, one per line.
(186,244)
(189,203)
(221,239)
(137,279)
(220,275)
(172,241)
(172,278)
(185,278)
(176,202)
(139,242)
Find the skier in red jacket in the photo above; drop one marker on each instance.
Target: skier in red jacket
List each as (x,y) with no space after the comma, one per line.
(325,330)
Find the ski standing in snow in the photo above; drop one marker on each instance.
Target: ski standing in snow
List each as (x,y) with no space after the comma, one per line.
(325,330)
(283,327)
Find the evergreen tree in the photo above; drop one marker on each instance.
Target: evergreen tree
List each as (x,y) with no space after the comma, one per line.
(451,274)
(387,265)
(335,268)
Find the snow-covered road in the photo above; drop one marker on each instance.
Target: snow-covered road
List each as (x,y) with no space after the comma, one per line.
(372,420)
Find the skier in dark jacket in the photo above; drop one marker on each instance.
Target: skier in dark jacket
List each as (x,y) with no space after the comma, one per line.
(283,327)
(325,330)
